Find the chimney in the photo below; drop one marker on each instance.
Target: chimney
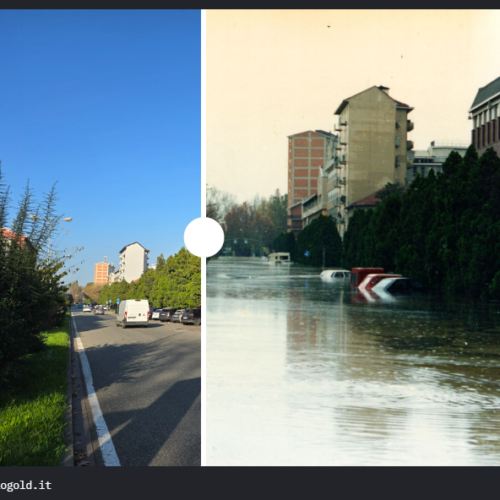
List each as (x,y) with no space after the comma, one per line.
(384,89)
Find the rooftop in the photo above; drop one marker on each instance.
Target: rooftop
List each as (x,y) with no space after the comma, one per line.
(368,201)
(123,249)
(345,102)
(11,235)
(485,93)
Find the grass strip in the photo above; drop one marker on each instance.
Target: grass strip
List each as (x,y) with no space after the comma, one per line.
(32,415)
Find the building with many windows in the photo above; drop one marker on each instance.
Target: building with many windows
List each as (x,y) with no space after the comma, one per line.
(133,262)
(307,153)
(422,161)
(485,116)
(102,270)
(372,149)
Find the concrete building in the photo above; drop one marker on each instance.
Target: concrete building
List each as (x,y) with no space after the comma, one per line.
(114,276)
(307,152)
(485,116)
(422,161)
(294,218)
(372,149)
(133,262)
(102,270)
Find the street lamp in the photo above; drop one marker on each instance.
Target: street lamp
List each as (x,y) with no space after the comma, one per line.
(66,219)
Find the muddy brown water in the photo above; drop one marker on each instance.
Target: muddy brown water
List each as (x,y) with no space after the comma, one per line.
(306,371)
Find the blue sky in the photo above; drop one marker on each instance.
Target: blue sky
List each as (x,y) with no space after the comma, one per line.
(106,103)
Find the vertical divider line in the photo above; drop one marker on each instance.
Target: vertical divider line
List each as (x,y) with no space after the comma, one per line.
(204,214)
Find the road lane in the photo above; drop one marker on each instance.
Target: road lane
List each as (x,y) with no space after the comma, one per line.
(147,381)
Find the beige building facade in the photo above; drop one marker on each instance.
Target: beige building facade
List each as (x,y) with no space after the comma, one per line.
(133,262)
(372,149)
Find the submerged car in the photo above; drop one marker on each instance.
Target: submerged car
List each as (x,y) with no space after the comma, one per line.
(335,273)
(395,286)
(372,279)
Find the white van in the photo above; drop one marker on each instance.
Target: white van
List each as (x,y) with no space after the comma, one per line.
(133,313)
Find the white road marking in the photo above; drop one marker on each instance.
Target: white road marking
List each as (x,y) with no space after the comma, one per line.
(105,442)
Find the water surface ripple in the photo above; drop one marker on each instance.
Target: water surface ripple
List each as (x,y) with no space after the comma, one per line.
(305,371)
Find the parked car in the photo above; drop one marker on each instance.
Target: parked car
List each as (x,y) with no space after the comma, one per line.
(133,312)
(191,316)
(167,313)
(150,313)
(176,317)
(156,314)
(87,309)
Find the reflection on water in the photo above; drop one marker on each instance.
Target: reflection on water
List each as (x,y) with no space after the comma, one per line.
(305,371)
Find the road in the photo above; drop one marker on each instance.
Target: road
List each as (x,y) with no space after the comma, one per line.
(148,383)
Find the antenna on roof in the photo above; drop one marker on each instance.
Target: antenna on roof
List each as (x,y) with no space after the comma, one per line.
(105,257)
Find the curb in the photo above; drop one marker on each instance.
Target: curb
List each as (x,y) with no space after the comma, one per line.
(68,456)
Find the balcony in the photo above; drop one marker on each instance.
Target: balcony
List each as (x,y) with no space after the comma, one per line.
(409,144)
(409,125)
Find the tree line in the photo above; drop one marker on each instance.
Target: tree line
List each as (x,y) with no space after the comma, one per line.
(176,282)
(250,227)
(443,229)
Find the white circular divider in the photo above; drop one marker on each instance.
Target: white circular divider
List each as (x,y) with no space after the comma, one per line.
(204,237)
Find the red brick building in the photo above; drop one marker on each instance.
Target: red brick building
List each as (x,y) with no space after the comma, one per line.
(307,152)
(102,271)
(485,116)
(10,235)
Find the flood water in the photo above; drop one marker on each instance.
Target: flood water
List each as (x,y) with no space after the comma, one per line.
(305,371)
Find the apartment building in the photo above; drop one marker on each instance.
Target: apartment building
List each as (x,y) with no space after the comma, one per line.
(307,153)
(372,149)
(485,116)
(133,262)
(102,270)
(432,158)
(315,205)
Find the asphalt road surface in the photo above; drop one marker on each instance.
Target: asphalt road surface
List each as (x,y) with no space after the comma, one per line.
(148,383)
